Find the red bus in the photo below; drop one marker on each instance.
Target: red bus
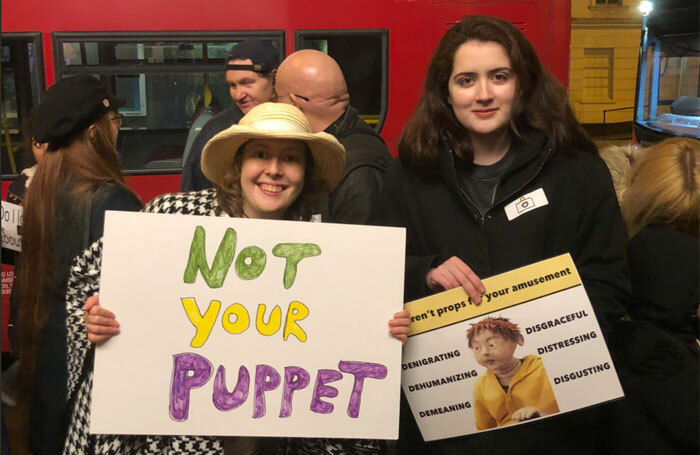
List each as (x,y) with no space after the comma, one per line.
(167,58)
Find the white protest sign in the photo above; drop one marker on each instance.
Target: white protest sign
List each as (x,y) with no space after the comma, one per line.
(535,330)
(248,327)
(11,219)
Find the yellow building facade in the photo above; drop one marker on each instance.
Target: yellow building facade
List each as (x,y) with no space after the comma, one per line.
(605,39)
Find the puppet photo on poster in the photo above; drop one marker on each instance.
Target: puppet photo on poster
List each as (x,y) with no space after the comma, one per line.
(512,389)
(533,349)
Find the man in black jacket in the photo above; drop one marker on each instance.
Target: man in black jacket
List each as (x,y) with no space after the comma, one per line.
(313,82)
(250,74)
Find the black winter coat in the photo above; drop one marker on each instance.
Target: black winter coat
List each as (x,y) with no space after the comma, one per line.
(582,217)
(357,194)
(75,226)
(656,352)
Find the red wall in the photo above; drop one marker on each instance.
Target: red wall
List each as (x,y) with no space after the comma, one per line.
(415,27)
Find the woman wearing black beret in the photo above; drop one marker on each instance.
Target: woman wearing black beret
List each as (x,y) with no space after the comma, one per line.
(78,179)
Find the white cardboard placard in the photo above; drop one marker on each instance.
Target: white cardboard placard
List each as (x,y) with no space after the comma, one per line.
(563,346)
(147,379)
(11,216)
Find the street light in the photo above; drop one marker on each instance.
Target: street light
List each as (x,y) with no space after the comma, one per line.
(646,7)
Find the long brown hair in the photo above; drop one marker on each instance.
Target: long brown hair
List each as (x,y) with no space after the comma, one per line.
(229,195)
(540,100)
(663,187)
(89,159)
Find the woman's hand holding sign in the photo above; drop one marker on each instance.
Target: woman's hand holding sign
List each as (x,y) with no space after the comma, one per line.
(398,326)
(453,273)
(100,323)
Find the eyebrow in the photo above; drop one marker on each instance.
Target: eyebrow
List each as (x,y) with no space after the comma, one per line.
(492,71)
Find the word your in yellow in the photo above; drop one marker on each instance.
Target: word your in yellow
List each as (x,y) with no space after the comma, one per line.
(236,320)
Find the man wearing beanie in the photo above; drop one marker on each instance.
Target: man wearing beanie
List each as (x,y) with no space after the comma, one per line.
(250,74)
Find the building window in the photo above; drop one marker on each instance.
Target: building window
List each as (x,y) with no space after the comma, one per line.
(167,79)
(598,74)
(363,56)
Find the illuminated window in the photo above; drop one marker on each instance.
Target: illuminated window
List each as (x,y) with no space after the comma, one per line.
(598,74)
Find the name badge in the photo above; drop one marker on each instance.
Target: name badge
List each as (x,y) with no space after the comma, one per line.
(526,203)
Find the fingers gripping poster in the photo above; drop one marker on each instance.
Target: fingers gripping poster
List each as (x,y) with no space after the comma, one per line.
(532,349)
(248,327)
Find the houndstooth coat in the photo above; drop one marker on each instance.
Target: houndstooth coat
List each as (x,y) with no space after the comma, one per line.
(84,281)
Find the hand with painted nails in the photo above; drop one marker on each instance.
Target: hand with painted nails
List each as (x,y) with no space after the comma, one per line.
(100,323)
(398,326)
(453,273)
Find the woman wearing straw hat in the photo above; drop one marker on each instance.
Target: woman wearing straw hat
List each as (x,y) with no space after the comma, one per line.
(269,166)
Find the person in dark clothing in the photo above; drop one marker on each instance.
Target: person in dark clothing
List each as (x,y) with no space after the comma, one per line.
(495,173)
(656,350)
(250,73)
(313,82)
(76,181)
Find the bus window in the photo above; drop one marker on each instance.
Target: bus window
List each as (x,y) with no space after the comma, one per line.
(22,83)
(363,57)
(668,80)
(167,79)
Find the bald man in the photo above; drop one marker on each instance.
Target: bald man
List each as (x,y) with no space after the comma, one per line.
(313,82)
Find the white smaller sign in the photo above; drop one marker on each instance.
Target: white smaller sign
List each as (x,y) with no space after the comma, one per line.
(11,221)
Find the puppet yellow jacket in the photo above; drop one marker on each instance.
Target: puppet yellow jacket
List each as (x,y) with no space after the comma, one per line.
(493,407)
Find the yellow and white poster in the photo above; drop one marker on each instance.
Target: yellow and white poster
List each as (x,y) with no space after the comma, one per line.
(531,350)
(234,326)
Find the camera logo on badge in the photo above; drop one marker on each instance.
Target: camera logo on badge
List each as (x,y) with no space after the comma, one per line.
(525,204)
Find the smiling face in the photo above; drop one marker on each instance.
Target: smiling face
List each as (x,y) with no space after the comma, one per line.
(272,176)
(492,351)
(248,88)
(482,88)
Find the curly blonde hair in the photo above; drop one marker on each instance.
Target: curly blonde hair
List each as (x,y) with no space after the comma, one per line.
(500,326)
(664,187)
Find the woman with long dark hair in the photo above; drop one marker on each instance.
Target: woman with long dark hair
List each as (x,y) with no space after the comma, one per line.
(495,173)
(76,181)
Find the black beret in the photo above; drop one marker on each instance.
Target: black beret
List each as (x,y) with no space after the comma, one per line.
(68,108)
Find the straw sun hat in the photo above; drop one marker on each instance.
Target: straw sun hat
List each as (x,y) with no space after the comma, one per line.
(275,121)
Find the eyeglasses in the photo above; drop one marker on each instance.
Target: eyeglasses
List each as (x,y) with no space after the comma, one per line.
(279,97)
(119,119)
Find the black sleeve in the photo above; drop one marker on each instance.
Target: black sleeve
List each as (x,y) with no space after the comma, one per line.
(357,197)
(109,197)
(601,248)
(192,177)
(390,212)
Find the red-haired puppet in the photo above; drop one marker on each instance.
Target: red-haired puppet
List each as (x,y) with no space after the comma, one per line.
(512,390)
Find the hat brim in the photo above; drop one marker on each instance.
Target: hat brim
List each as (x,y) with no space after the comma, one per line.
(328,154)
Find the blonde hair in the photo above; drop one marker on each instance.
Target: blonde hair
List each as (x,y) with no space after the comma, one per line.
(619,159)
(664,187)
